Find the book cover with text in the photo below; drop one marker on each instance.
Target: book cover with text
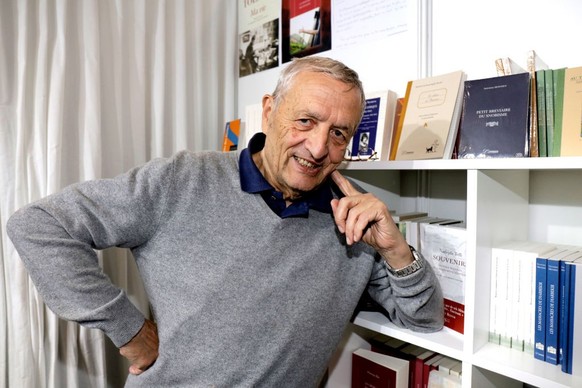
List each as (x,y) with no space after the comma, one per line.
(495,118)
(431,117)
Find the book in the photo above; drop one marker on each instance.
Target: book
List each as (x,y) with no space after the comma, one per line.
(541,113)
(251,125)
(572,362)
(444,247)
(419,364)
(374,133)
(499,70)
(558,93)
(397,131)
(440,379)
(258,28)
(430,365)
(541,300)
(495,118)
(509,66)
(231,134)
(399,217)
(564,304)
(549,111)
(499,324)
(306,28)
(372,369)
(534,63)
(410,352)
(571,138)
(431,118)
(522,294)
(554,304)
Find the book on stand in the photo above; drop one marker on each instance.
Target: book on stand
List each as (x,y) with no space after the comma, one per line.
(571,139)
(231,135)
(373,135)
(495,119)
(444,247)
(371,369)
(431,117)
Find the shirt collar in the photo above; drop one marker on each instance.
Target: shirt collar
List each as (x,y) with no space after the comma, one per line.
(252,181)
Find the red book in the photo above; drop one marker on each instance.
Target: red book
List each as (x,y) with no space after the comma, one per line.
(371,369)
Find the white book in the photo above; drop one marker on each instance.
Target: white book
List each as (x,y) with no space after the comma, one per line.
(501,256)
(431,117)
(252,124)
(522,298)
(445,248)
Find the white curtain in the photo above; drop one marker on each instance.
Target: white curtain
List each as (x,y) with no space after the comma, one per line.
(89,89)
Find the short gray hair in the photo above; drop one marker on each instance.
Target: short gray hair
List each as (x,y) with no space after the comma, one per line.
(330,67)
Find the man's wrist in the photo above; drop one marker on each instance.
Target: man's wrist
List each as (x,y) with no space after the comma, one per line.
(408,269)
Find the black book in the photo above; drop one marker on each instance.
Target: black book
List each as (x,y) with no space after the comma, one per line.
(495,118)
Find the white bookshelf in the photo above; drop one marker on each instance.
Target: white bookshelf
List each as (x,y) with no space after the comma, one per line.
(499,199)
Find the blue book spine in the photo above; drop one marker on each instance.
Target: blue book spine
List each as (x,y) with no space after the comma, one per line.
(564,307)
(570,287)
(540,306)
(552,311)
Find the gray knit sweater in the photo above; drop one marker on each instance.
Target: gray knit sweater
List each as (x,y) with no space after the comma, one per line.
(241,297)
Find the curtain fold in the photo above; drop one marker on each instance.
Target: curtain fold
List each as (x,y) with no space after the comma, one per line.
(89,89)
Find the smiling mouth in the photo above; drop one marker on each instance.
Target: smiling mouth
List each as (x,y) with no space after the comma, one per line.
(306,163)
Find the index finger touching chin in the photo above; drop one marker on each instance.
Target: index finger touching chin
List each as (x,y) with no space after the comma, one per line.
(344,185)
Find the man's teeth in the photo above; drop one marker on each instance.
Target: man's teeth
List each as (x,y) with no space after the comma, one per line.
(305,163)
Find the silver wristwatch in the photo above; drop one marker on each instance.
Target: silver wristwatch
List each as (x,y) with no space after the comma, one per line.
(410,268)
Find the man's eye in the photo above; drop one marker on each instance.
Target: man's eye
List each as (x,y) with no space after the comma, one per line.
(338,136)
(305,123)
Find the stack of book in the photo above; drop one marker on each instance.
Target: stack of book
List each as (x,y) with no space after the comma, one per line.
(536,301)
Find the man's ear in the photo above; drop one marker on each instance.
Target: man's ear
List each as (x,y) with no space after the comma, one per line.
(267,110)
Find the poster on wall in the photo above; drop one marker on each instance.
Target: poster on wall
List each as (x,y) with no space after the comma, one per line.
(306,28)
(258,35)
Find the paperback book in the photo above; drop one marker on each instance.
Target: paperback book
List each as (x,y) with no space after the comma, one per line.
(431,117)
(495,118)
(444,247)
(372,369)
(372,138)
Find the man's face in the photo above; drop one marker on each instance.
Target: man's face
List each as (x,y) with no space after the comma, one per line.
(308,133)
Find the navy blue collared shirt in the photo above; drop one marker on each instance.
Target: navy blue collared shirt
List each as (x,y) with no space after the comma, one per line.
(252,181)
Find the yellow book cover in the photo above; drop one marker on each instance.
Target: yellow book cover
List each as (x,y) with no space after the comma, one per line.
(431,119)
(571,144)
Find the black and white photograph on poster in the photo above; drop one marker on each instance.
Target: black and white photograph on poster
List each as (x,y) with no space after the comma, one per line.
(258,36)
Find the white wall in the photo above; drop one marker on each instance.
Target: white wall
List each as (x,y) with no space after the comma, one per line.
(447,35)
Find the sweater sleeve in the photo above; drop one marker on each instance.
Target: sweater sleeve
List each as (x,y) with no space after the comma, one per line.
(56,238)
(414,301)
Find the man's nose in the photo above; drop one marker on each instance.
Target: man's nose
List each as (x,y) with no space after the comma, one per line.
(317,143)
